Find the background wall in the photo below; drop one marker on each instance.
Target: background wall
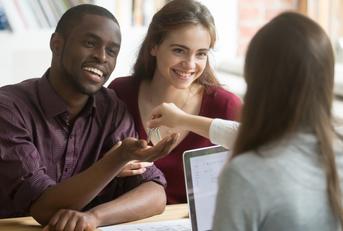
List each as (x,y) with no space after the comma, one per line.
(25,53)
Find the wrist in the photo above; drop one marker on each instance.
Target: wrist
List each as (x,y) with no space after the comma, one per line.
(117,157)
(185,121)
(94,217)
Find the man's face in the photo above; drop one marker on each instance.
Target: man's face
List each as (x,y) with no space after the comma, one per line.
(90,53)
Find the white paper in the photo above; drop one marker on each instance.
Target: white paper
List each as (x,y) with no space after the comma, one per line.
(172,225)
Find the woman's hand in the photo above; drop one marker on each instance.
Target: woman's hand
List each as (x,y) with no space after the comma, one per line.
(166,114)
(134,168)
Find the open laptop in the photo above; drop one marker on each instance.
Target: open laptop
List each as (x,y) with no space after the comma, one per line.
(202,167)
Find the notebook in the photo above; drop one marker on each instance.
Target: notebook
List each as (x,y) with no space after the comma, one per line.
(202,168)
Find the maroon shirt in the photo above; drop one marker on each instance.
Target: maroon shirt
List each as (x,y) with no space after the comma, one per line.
(216,103)
(38,147)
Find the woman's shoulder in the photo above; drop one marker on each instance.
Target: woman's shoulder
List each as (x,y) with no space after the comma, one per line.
(219,100)
(219,94)
(122,82)
(125,86)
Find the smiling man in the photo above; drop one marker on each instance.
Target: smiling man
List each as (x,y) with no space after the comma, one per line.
(63,136)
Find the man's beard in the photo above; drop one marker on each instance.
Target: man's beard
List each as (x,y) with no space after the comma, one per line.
(70,79)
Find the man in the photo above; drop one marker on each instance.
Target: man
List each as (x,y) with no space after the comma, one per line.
(60,149)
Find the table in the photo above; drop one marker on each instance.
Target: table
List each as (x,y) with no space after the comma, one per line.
(29,224)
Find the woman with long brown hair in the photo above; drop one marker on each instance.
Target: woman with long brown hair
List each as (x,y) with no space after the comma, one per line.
(173,67)
(284,172)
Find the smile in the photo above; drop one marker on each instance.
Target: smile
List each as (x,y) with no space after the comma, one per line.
(94,71)
(183,74)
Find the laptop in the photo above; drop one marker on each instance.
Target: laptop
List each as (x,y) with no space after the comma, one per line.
(202,167)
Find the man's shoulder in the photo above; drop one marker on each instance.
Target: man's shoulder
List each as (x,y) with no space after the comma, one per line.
(18,92)
(106,95)
(107,99)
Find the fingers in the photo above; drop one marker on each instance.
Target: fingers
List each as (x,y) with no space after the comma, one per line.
(155,122)
(169,143)
(70,220)
(162,148)
(139,150)
(126,173)
(134,168)
(157,111)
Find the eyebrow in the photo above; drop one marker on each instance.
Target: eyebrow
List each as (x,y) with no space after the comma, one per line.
(92,35)
(187,48)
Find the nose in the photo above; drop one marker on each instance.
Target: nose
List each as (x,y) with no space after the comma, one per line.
(100,54)
(189,62)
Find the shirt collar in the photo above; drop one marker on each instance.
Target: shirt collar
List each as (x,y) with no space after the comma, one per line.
(52,103)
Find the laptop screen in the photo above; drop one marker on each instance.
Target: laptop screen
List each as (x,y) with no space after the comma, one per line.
(202,168)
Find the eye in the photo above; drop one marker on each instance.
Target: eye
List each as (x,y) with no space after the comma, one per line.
(202,55)
(178,50)
(112,52)
(89,43)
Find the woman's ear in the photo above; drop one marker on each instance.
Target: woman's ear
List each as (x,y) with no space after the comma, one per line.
(56,44)
(153,50)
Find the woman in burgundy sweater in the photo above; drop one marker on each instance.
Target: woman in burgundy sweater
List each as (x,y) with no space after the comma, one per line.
(173,66)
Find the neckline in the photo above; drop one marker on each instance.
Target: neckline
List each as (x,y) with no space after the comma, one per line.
(140,127)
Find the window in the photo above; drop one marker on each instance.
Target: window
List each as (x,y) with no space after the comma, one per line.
(329,14)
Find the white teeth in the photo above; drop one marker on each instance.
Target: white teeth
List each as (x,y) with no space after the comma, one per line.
(94,70)
(184,74)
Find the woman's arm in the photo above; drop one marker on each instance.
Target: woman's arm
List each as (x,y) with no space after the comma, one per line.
(219,131)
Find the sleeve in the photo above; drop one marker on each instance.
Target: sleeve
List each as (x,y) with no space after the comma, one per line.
(223,132)
(237,206)
(23,179)
(125,184)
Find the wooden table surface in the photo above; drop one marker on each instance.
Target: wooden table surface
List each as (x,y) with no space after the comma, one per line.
(171,212)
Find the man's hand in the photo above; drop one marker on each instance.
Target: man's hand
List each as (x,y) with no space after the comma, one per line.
(71,220)
(134,168)
(133,149)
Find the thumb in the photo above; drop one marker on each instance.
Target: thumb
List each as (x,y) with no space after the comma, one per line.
(116,145)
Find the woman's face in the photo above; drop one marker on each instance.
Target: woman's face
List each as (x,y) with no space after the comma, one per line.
(182,56)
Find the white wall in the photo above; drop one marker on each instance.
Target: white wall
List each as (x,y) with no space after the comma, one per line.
(27,54)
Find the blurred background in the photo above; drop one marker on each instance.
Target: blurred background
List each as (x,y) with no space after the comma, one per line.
(26,27)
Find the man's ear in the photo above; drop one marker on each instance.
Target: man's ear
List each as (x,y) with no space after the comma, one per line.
(56,44)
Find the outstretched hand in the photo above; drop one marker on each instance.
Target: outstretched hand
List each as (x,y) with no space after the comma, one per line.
(133,149)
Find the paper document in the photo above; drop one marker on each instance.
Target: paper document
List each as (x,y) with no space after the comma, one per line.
(173,225)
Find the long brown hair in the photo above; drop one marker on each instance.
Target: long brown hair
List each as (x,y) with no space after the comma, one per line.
(173,16)
(289,70)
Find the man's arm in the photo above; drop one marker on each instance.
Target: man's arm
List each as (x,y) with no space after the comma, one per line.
(146,200)
(77,191)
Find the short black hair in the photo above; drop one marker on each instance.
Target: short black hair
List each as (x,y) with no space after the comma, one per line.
(73,16)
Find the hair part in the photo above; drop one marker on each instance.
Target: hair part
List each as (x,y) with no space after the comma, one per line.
(74,15)
(289,70)
(172,16)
